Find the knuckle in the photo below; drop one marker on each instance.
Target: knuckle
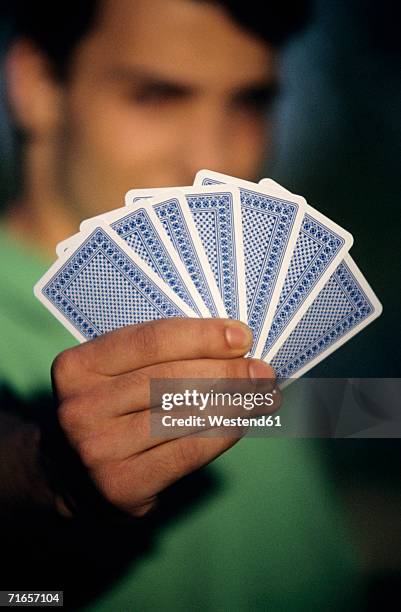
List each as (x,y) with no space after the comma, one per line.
(75,416)
(185,456)
(138,378)
(203,334)
(122,492)
(236,368)
(214,327)
(107,482)
(68,413)
(148,338)
(172,370)
(136,384)
(90,452)
(64,368)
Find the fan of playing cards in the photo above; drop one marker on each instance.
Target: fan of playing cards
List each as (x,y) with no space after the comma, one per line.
(224,247)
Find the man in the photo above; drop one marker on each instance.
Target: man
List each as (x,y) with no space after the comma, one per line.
(112,95)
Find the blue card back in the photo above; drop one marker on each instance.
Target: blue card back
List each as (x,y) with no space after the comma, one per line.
(343,307)
(99,288)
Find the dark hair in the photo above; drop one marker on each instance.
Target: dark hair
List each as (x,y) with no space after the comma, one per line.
(57,27)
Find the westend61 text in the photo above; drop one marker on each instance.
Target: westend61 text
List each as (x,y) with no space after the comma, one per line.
(221,421)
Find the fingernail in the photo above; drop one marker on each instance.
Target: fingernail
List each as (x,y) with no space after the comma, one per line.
(260,370)
(238,335)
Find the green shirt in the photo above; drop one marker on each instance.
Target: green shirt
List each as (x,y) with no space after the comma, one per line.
(30,336)
(271,537)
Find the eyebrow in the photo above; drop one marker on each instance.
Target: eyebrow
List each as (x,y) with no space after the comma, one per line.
(267,87)
(143,75)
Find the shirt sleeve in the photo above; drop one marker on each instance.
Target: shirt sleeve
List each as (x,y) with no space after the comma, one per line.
(24,486)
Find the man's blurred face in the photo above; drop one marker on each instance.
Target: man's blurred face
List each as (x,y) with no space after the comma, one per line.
(158,90)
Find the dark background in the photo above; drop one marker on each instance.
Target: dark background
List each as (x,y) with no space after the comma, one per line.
(338,143)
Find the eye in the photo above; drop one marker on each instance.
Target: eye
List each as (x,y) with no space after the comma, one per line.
(158,93)
(258,99)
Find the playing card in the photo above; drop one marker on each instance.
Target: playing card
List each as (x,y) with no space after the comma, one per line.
(270,225)
(217,216)
(141,229)
(176,218)
(344,306)
(216,211)
(102,285)
(320,246)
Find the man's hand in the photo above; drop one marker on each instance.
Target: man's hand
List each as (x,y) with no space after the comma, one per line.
(102,388)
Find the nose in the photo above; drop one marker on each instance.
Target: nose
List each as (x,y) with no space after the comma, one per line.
(205,142)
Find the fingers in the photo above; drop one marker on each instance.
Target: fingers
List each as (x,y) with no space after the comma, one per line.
(114,421)
(139,346)
(139,432)
(116,439)
(156,469)
(130,392)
